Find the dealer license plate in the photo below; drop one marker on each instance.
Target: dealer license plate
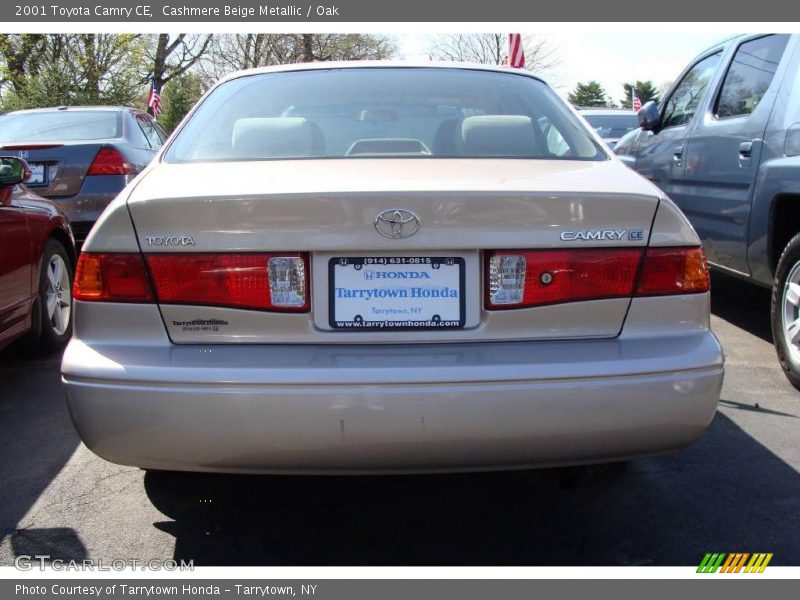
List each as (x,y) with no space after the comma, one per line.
(396,292)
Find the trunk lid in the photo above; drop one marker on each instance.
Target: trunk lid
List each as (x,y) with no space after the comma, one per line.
(58,168)
(328,209)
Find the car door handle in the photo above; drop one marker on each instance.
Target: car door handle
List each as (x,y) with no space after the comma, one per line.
(745,149)
(677,156)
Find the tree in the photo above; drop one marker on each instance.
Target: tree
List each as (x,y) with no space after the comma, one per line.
(69,69)
(347,46)
(108,67)
(233,52)
(590,93)
(178,98)
(308,47)
(228,53)
(20,54)
(645,90)
(172,56)
(492,48)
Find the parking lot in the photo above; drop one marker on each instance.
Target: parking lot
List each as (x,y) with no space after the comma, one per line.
(737,489)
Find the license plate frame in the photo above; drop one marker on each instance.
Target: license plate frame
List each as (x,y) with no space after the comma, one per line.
(454,272)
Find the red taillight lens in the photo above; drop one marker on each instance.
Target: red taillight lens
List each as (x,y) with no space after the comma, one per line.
(674,271)
(275,282)
(109,161)
(520,278)
(111,278)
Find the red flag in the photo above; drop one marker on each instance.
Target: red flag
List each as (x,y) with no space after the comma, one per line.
(516,54)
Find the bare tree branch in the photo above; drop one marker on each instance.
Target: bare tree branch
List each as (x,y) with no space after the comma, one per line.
(541,56)
(228,53)
(169,58)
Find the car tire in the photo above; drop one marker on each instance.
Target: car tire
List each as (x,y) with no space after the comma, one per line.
(52,312)
(785,311)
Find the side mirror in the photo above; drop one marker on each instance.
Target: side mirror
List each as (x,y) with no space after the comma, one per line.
(13,171)
(649,117)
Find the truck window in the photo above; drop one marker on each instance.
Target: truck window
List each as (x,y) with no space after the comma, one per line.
(682,103)
(749,75)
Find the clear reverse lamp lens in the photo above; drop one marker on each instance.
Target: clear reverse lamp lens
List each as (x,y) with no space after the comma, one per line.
(287,281)
(506,279)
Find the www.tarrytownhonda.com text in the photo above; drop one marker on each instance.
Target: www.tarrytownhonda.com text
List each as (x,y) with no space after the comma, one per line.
(26,562)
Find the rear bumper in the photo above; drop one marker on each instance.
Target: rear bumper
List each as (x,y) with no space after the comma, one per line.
(404,408)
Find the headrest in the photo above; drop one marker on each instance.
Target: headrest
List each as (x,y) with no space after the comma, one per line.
(273,137)
(498,135)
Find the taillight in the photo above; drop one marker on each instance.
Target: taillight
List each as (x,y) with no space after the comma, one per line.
(111,278)
(276,282)
(109,161)
(673,271)
(524,278)
(520,278)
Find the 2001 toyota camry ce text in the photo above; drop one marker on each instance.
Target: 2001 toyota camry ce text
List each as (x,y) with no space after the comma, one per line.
(371,268)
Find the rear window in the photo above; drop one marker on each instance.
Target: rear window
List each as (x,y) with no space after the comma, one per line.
(613,126)
(59,126)
(376,112)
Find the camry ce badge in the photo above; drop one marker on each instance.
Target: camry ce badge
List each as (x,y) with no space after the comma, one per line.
(595,235)
(397,223)
(170,240)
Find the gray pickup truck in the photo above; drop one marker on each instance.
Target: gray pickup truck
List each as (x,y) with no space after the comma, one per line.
(724,144)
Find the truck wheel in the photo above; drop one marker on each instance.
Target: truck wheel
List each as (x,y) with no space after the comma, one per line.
(786,311)
(54,305)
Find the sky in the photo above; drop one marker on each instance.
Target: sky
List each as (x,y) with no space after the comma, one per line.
(610,58)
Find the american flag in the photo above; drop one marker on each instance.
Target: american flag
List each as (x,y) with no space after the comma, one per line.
(516,54)
(154,99)
(635,102)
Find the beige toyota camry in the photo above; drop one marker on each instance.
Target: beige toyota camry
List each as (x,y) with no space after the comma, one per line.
(381,268)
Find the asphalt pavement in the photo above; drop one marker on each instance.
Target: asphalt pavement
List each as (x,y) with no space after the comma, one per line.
(737,489)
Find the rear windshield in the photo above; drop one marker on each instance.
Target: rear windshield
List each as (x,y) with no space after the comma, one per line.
(613,126)
(376,112)
(59,126)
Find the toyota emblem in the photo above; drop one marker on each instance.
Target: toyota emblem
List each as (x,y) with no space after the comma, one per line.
(397,223)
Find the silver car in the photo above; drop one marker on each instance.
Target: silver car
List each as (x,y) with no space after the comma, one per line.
(377,267)
(611,124)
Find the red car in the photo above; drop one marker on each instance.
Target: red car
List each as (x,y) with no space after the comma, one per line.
(37,258)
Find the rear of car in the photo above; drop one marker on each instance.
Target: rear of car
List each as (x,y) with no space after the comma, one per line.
(80,157)
(389,269)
